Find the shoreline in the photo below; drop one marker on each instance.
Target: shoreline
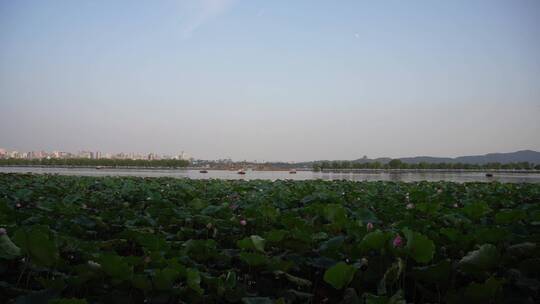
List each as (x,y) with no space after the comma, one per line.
(338,171)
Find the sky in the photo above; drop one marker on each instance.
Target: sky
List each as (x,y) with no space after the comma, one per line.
(271,80)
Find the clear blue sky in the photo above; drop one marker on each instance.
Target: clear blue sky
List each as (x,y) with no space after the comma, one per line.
(271,80)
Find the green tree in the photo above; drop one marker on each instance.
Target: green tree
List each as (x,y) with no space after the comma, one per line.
(395,164)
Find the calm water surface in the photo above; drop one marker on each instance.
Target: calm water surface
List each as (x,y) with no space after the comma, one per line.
(300,175)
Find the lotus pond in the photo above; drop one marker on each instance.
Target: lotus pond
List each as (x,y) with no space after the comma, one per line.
(66,239)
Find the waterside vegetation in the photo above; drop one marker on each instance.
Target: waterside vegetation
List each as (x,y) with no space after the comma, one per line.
(398,164)
(161,240)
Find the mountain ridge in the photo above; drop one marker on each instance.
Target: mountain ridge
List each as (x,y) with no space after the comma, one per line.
(503,158)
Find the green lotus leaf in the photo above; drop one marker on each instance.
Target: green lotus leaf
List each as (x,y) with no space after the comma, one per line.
(506,216)
(35,242)
(116,266)
(439,272)
(476,210)
(257,300)
(487,292)
(253,242)
(339,275)
(374,240)
(276,236)
(366,216)
(193,278)
(163,278)
(523,250)
(8,250)
(418,246)
(335,213)
(141,282)
(484,258)
(68,301)
(253,259)
(332,244)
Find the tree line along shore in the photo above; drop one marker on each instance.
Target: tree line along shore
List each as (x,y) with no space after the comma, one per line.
(397,164)
(394,164)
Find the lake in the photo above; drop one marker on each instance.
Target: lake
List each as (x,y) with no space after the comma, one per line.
(275,175)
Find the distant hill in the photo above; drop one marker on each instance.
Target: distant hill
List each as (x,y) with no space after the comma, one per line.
(503,158)
(529,156)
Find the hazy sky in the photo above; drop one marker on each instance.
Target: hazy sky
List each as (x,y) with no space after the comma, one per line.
(271,80)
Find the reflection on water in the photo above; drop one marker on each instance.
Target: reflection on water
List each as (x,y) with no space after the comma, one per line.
(300,175)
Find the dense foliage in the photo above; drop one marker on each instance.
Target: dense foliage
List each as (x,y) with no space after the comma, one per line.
(397,164)
(148,240)
(169,163)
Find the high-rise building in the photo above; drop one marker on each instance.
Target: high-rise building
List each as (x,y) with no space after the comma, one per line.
(183,156)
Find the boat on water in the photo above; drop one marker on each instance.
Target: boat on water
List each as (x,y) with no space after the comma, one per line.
(203,171)
(489,174)
(292,171)
(241,171)
(99,167)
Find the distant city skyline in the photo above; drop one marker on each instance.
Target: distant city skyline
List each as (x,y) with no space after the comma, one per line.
(271,80)
(91,154)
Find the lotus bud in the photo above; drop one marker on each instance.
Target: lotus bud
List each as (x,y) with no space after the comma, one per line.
(243,222)
(369,226)
(398,241)
(18,205)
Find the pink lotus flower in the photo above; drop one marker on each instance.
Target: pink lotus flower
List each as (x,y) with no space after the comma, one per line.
(243,222)
(369,226)
(18,205)
(3,231)
(410,206)
(398,241)
(456,205)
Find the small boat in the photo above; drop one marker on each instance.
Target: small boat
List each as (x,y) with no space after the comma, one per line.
(489,174)
(99,167)
(241,171)
(293,171)
(203,171)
